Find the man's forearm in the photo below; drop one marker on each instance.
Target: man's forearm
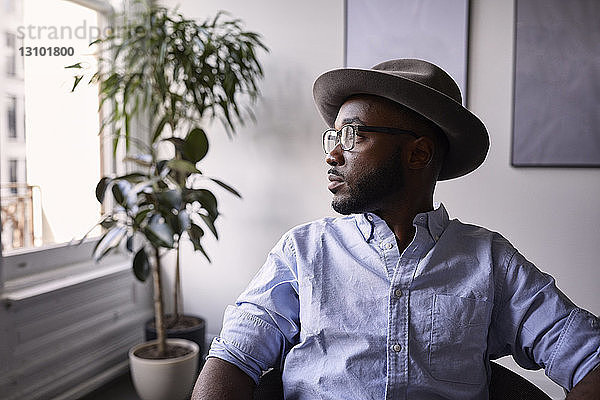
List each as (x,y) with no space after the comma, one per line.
(220,380)
(588,388)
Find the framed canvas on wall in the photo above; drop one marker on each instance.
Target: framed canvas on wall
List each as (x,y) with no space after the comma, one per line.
(432,30)
(556,119)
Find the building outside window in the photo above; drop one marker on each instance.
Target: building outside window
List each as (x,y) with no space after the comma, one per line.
(11,54)
(9,6)
(13,165)
(11,117)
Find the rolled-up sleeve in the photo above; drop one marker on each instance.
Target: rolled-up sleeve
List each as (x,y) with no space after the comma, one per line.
(264,323)
(541,327)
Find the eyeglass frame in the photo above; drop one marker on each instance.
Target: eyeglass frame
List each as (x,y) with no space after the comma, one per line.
(363,128)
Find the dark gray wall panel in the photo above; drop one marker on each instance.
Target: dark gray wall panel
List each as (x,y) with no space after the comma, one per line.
(557,83)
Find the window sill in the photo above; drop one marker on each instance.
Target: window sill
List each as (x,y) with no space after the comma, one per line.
(31,286)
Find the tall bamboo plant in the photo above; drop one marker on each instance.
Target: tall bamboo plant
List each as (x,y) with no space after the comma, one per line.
(168,74)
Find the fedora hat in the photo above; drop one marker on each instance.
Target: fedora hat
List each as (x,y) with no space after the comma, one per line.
(421,87)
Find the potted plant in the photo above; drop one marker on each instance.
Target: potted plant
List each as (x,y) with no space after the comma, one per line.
(167,74)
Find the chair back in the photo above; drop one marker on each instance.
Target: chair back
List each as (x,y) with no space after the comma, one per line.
(508,385)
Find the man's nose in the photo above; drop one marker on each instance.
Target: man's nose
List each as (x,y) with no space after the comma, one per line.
(335,156)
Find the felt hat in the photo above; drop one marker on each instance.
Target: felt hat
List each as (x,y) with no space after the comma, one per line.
(421,87)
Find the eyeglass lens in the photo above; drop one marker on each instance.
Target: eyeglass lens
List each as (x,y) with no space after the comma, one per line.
(345,137)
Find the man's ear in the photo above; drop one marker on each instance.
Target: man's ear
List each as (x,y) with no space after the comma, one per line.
(421,153)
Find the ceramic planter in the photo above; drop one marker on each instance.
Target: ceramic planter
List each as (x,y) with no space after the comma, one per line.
(171,378)
(195,333)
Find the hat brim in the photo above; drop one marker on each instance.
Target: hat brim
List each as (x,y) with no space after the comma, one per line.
(467,136)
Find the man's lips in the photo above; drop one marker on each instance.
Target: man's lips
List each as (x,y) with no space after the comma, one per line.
(334,181)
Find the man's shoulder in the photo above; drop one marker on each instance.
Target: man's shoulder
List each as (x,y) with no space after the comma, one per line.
(307,238)
(479,235)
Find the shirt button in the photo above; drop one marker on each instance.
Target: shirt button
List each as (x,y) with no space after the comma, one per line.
(369,217)
(386,246)
(396,348)
(398,293)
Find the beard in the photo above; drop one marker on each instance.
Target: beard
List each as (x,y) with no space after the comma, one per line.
(370,188)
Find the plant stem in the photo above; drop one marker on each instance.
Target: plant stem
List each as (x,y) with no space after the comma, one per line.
(158,306)
(177,292)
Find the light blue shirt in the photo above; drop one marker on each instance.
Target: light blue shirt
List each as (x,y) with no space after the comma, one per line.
(346,316)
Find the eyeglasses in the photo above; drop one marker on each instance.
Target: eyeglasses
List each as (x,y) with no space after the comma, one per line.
(346,135)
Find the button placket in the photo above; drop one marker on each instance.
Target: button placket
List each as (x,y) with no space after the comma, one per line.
(398,320)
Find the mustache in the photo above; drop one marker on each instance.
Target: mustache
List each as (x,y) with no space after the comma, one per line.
(335,172)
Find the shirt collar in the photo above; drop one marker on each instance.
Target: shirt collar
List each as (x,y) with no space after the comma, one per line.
(435,221)
(365,225)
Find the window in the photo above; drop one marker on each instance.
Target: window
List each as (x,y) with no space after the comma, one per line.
(12,175)
(11,116)
(48,176)
(9,6)
(11,54)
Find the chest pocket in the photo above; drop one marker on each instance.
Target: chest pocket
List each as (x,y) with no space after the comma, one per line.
(458,339)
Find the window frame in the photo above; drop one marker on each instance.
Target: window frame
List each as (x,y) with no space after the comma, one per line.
(25,267)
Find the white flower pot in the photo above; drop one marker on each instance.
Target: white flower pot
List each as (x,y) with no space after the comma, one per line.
(168,379)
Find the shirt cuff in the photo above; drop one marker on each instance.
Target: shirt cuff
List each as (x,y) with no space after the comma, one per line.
(248,342)
(578,349)
(229,353)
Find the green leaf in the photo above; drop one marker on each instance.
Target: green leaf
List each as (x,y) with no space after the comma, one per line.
(210,222)
(94,78)
(183,166)
(196,233)
(160,165)
(159,128)
(179,143)
(108,222)
(101,188)
(127,129)
(129,244)
(184,220)
(109,241)
(141,216)
(118,194)
(76,65)
(120,191)
(141,265)
(207,200)
(159,234)
(171,198)
(196,145)
(116,141)
(226,187)
(78,79)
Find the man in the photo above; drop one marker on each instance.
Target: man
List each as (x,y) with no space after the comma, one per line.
(394,300)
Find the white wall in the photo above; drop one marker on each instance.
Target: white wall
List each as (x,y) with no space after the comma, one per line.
(277,163)
(550,214)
